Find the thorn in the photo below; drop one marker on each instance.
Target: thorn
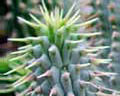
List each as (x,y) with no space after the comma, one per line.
(33,64)
(98,73)
(81,66)
(87,22)
(46,74)
(14,70)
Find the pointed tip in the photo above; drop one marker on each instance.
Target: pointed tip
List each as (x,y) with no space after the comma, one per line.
(87,22)
(31,65)
(17,39)
(44,6)
(73,5)
(42,1)
(20,19)
(47,73)
(30,14)
(69,11)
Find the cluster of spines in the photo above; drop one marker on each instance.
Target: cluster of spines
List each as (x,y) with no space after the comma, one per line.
(114,54)
(108,12)
(14,8)
(5,81)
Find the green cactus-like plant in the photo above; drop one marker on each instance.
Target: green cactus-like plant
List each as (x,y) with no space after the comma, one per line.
(114,54)
(6,80)
(109,22)
(108,12)
(60,60)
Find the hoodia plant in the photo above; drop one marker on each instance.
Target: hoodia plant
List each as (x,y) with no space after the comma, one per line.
(60,60)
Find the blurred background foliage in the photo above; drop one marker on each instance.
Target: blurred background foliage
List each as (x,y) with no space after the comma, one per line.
(108,12)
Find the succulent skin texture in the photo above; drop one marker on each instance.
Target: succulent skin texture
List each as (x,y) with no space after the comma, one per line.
(54,58)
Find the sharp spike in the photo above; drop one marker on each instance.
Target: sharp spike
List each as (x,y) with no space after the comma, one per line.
(87,22)
(69,12)
(14,70)
(47,73)
(27,22)
(38,21)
